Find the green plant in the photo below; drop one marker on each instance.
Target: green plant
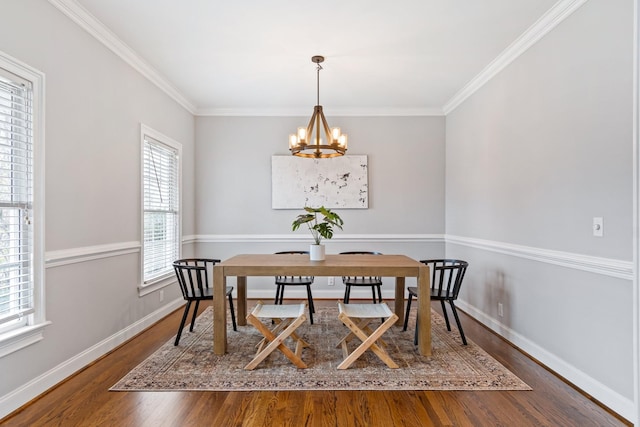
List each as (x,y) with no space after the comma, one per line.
(319,229)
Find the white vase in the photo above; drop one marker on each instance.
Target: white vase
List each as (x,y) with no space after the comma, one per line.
(316,253)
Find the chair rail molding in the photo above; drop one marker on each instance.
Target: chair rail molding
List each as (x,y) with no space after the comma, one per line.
(188,239)
(58,258)
(606,266)
(292,238)
(89,253)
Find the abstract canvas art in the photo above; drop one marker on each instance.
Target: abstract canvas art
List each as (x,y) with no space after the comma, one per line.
(338,182)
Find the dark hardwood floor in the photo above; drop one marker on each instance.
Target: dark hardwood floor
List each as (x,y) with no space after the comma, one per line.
(84,399)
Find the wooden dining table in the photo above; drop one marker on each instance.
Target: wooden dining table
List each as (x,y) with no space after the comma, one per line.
(246,265)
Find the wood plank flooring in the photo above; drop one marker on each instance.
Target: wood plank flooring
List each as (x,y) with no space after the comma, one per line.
(84,399)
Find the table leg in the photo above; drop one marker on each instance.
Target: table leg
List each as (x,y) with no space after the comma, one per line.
(241,281)
(399,302)
(219,310)
(424,310)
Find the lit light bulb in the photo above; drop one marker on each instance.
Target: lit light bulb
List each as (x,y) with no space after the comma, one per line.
(343,141)
(335,135)
(302,134)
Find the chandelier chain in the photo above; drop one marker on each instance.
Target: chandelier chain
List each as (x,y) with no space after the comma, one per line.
(318,83)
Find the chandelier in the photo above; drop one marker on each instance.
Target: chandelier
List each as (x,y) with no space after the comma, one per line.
(308,141)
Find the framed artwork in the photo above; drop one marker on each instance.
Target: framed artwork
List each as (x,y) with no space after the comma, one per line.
(338,182)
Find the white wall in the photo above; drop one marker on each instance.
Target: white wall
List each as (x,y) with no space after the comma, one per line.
(532,157)
(95,104)
(406,189)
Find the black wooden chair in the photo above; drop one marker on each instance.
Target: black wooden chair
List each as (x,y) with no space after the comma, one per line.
(193,277)
(373,282)
(446,280)
(284,281)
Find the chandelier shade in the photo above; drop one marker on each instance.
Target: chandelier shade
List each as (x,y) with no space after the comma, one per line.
(309,142)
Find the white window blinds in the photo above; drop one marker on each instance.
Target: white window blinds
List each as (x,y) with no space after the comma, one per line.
(16,198)
(161,208)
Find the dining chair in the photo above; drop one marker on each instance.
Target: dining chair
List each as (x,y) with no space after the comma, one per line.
(446,280)
(374,282)
(284,281)
(194,276)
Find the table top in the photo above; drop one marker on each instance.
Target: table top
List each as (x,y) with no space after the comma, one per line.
(333,265)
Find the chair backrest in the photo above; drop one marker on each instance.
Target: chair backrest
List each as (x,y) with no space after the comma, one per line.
(193,275)
(291,253)
(363,253)
(446,276)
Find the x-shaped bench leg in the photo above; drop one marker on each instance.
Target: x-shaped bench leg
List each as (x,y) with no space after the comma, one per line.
(277,342)
(368,341)
(364,326)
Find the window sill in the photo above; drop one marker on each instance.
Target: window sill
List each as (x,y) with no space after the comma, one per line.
(156,284)
(15,340)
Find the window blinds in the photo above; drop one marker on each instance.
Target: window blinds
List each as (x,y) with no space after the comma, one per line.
(161,210)
(16,198)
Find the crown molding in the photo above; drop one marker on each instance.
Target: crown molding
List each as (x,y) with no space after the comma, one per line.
(554,16)
(306,112)
(558,13)
(84,19)
(89,23)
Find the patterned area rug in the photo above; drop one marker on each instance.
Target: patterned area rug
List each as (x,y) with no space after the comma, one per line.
(193,366)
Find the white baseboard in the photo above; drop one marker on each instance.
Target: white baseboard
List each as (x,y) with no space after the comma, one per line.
(29,391)
(609,267)
(616,402)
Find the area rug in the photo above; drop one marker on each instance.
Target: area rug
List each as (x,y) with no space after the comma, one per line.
(193,366)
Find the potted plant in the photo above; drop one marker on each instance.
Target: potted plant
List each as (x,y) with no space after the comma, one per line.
(319,229)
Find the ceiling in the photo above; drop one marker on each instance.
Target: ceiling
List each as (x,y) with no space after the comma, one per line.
(254,57)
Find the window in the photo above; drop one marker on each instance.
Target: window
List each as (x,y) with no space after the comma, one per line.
(161,205)
(21,296)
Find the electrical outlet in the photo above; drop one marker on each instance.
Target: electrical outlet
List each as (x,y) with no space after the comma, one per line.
(331,281)
(161,293)
(500,310)
(598,226)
